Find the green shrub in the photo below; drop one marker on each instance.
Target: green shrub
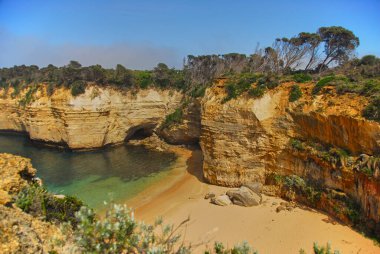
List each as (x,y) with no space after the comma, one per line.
(3,84)
(242,248)
(16,88)
(322,83)
(366,170)
(257,92)
(37,201)
(302,77)
(270,81)
(372,110)
(323,249)
(119,232)
(294,181)
(344,87)
(198,91)
(28,98)
(296,144)
(77,88)
(370,87)
(295,93)
(144,79)
(231,92)
(175,117)
(50,89)
(368,60)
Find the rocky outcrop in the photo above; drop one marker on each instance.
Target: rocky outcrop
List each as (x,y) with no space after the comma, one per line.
(99,117)
(189,130)
(16,173)
(241,138)
(21,232)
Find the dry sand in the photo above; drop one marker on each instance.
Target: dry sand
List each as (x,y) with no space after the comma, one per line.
(181,194)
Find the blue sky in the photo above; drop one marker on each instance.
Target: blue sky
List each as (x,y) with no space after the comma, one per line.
(139,34)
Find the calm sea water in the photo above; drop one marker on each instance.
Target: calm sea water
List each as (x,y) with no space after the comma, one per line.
(111,174)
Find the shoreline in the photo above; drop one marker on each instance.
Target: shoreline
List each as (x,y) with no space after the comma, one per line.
(181,195)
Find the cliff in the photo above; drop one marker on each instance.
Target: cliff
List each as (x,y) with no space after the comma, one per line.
(99,117)
(322,139)
(247,140)
(188,130)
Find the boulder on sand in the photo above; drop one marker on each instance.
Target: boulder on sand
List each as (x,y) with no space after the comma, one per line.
(256,187)
(209,195)
(244,197)
(222,200)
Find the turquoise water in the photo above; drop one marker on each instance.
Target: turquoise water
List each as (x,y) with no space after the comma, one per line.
(110,174)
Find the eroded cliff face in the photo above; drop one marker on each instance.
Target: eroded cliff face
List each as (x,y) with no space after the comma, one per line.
(241,138)
(246,140)
(189,130)
(99,117)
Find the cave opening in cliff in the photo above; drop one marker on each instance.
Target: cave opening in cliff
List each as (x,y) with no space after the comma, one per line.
(140,132)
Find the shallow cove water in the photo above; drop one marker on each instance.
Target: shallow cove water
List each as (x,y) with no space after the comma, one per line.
(114,173)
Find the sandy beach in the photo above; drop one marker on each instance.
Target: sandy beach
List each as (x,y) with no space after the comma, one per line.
(181,195)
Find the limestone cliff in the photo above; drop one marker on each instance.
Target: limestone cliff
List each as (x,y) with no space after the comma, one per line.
(247,139)
(99,117)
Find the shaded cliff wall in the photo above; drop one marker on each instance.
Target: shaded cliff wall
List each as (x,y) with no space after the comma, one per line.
(188,130)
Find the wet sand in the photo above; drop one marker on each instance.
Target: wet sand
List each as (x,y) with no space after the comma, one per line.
(181,195)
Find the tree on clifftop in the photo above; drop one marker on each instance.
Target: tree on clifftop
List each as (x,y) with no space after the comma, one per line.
(339,44)
(312,42)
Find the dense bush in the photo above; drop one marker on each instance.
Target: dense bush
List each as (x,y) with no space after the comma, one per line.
(370,87)
(238,84)
(232,92)
(68,75)
(144,79)
(37,201)
(119,232)
(257,91)
(175,117)
(269,80)
(372,110)
(198,91)
(302,77)
(77,88)
(295,93)
(322,83)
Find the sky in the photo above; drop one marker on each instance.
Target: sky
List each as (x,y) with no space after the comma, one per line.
(139,34)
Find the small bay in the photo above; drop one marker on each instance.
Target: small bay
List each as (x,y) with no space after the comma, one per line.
(109,174)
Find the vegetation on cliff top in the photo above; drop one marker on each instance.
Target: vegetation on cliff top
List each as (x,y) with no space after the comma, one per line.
(325,57)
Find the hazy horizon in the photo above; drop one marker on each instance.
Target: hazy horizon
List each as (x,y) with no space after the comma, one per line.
(141,34)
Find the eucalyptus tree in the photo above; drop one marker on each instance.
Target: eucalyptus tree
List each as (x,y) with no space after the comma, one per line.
(339,44)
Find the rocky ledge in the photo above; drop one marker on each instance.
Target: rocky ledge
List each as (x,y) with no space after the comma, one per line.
(21,232)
